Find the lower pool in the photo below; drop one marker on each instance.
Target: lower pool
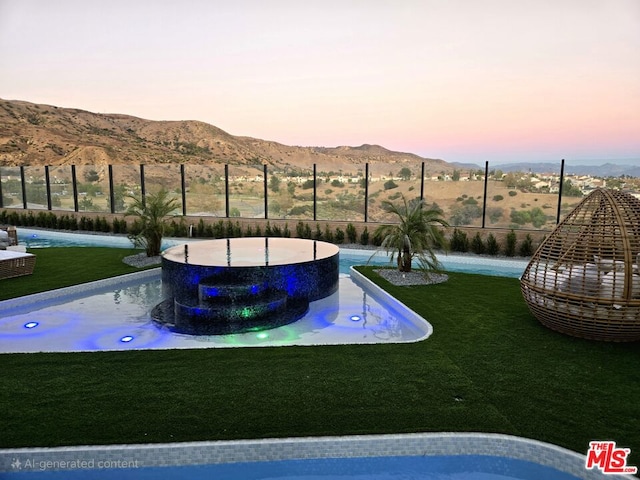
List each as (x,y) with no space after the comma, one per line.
(418,456)
(441,467)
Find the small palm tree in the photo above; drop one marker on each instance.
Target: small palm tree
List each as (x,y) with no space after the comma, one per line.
(416,234)
(152,215)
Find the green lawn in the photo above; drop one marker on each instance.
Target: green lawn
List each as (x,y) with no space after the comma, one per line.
(489,366)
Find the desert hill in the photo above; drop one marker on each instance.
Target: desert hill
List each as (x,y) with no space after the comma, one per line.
(36,134)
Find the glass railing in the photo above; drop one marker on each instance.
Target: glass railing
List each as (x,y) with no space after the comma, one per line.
(337,192)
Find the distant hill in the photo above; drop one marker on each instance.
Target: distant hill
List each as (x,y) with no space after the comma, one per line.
(605,170)
(36,134)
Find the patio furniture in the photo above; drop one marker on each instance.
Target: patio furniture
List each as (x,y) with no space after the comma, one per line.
(584,279)
(10,233)
(16,264)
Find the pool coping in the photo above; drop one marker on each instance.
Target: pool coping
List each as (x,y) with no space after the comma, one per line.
(274,449)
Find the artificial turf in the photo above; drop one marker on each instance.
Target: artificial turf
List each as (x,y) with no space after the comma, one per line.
(489,366)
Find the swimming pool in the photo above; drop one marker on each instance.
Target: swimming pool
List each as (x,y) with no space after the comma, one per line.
(417,456)
(34,238)
(443,467)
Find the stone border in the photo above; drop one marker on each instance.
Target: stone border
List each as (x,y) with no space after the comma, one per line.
(233,451)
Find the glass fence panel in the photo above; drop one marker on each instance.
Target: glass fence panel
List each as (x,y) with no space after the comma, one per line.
(11,187)
(246,191)
(283,188)
(126,186)
(340,192)
(61,185)
(458,197)
(391,183)
(93,188)
(205,190)
(462,196)
(35,187)
(167,177)
(298,199)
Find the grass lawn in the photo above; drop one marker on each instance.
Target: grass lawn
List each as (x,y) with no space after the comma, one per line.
(489,366)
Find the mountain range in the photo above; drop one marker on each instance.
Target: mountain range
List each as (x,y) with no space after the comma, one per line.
(38,134)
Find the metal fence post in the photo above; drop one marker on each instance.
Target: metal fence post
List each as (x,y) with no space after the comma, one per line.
(422,183)
(112,196)
(484,199)
(366,192)
(183,190)
(264,180)
(143,188)
(48,186)
(226,190)
(74,182)
(560,192)
(314,194)
(24,187)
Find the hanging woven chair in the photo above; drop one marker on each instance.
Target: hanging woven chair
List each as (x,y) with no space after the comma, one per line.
(584,279)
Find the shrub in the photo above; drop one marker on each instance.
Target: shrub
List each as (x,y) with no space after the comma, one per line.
(526,247)
(493,247)
(351,233)
(299,210)
(512,193)
(497,198)
(389,184)
(317,235)
(364,237)
(339,236)
(328,233)
(510,246)
(477,245)
(459,241)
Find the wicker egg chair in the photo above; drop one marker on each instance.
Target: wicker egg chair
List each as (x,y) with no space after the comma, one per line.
(584,279)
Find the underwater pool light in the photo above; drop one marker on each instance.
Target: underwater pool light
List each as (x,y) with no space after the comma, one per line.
(355,318)
(262,335)
(126,339)
(31,324)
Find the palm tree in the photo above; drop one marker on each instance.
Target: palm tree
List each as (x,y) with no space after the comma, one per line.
(152,215)
(416,234)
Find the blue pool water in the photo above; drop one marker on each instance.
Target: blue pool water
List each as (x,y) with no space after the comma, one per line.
(444,467)
(33,238)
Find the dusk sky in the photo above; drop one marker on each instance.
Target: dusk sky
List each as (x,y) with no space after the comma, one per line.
(461,80)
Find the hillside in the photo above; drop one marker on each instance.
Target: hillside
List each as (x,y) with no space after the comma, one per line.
(35,134)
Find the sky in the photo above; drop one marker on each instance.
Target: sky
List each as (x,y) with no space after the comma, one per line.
(503,81)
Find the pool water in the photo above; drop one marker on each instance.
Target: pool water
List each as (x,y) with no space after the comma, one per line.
(33,238)
(443,467)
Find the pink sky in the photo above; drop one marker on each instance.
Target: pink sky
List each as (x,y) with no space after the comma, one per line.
(461,80)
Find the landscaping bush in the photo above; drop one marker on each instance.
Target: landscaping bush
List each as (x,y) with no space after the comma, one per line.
(459,241)
(510,246)
(351,233)
(364,237)
(477,245)
(493,247)
(526,247)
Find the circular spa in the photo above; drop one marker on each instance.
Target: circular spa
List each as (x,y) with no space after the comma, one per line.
(233,285)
